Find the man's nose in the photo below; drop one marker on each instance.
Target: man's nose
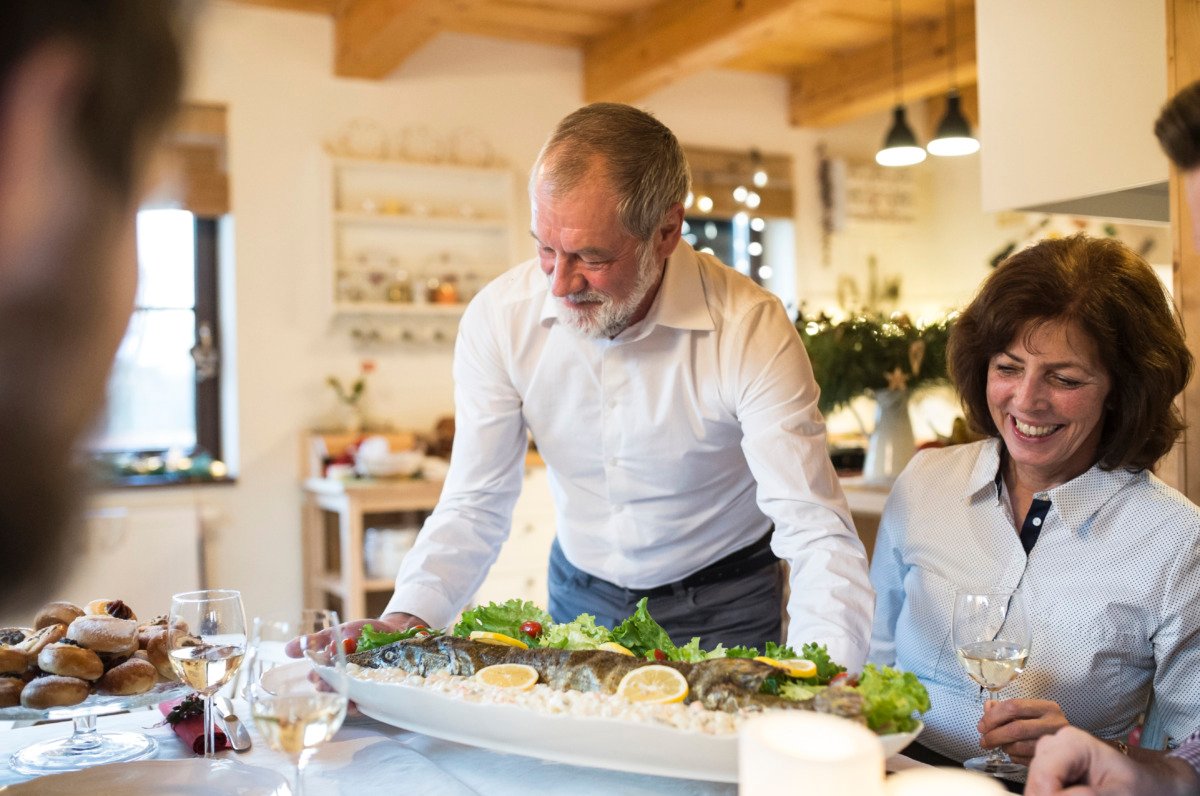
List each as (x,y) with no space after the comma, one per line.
(566,278)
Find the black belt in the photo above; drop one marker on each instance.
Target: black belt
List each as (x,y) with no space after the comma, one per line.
(738,563)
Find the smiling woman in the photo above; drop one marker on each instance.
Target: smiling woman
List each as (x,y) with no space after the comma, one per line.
(1068,360)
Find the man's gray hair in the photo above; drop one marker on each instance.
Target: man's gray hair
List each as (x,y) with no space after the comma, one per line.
(642,156)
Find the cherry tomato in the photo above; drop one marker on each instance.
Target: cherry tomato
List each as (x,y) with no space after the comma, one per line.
(349,645)
(659,655)
(531,628)
(843,678)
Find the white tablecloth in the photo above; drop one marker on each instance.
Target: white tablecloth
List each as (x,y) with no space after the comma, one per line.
(368,757)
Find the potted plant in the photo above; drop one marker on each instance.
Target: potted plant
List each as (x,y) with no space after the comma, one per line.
(885,358)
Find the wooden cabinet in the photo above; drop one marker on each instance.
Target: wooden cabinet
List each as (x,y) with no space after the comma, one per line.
(337,513)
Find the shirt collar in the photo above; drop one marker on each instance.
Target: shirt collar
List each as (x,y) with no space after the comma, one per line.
(1076,501)
(680,302)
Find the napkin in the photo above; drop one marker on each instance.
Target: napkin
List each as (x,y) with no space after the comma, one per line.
(191,730)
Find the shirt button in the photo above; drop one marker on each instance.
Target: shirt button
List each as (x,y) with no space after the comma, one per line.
(612,462)
(1037,521)
(618,509)
(612,403)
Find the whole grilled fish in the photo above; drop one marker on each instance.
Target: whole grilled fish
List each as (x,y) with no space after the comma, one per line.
(728,684)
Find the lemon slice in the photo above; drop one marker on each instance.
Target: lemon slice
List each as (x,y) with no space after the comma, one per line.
(613,646)
(508,675)
(488,637)
(654,684)
(793,667)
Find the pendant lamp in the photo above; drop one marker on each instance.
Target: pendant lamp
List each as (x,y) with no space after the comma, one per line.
(953,136)
(900,147)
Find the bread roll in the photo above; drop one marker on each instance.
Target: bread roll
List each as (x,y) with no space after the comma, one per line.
(116,608)
(57,613)
(13,660)
(10,691)
(105,634)
(70,661)
(12,636)
(157,650)
(40,639)
(134,676)
(53,691)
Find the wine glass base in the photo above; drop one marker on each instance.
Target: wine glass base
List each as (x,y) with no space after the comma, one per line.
(997,768)
(51,757)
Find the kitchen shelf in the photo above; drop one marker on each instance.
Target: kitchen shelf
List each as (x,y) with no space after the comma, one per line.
(381,246)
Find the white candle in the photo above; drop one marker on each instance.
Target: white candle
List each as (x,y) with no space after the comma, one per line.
(810,753)
(942,782)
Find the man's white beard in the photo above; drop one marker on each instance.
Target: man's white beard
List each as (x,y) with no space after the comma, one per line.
(608,317)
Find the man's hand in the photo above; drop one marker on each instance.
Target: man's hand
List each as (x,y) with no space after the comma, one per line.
(387,622)
(1076,763)
(1016,725)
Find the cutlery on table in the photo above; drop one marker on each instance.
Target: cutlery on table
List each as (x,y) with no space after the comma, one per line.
(235,730)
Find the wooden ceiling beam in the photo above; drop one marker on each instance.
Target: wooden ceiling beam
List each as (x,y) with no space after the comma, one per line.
(848,86)
(676,38)
(373,37)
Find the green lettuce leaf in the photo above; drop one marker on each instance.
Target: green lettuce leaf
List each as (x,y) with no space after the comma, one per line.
(505,618)
(370,638)
(890,698)
(826,668)
(641,635)
(580,634)
(741,652)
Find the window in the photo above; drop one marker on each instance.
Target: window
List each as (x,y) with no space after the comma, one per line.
(162,422)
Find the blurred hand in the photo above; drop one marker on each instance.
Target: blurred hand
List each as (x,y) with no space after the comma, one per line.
(387,622)
(1073,762)
(1016,725)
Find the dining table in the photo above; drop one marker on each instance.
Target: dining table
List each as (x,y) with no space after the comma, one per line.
(367,756)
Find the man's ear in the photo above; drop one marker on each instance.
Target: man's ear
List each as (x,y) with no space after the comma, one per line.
(669,231)
(39,162)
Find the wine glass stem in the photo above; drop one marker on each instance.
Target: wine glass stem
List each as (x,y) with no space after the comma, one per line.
(210,738)
(996,755)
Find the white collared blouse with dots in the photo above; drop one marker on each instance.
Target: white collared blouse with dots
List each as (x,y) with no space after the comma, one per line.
(1112,587)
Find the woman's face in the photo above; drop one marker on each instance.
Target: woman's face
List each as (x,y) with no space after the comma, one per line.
(1046,394)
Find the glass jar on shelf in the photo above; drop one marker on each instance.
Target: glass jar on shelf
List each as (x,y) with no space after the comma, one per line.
(400,290)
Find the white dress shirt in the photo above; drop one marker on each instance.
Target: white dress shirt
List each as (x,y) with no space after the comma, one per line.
(1112,588)
(668,447)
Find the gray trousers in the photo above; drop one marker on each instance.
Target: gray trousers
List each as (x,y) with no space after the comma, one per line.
(746,610)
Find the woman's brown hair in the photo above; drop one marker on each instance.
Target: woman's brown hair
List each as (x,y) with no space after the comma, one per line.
(1113,296)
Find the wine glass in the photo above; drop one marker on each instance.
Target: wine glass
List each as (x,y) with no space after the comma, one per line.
(992,636)
(298,705)
(206,636)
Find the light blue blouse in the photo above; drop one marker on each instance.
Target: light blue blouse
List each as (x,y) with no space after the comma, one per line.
(1112,586)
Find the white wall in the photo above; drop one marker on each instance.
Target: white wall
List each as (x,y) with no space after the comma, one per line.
(273,69)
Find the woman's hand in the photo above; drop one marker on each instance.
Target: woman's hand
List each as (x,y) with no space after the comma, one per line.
(1016,724)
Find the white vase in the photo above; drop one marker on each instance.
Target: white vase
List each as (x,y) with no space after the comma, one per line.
(891,444)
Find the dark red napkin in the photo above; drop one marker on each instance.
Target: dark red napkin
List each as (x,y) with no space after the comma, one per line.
(191,731)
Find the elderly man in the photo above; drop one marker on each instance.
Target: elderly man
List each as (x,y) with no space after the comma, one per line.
(674,406)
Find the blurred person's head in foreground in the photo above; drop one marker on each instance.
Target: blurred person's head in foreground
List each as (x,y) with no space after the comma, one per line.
(86,89)
(1178,131)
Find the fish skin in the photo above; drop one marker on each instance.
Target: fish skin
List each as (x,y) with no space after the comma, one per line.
(727,684)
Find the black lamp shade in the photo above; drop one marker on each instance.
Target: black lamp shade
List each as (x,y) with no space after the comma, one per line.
(954,135)
(900,147)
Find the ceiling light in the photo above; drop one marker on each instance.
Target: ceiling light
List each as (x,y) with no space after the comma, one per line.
(900,147)
(704,203)
(953,136)
(954,131)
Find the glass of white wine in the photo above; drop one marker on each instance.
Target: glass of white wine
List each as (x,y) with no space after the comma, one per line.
(298,705)
(206,636)
(992,637)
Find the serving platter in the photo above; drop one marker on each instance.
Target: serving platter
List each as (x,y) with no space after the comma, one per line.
(633,746)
